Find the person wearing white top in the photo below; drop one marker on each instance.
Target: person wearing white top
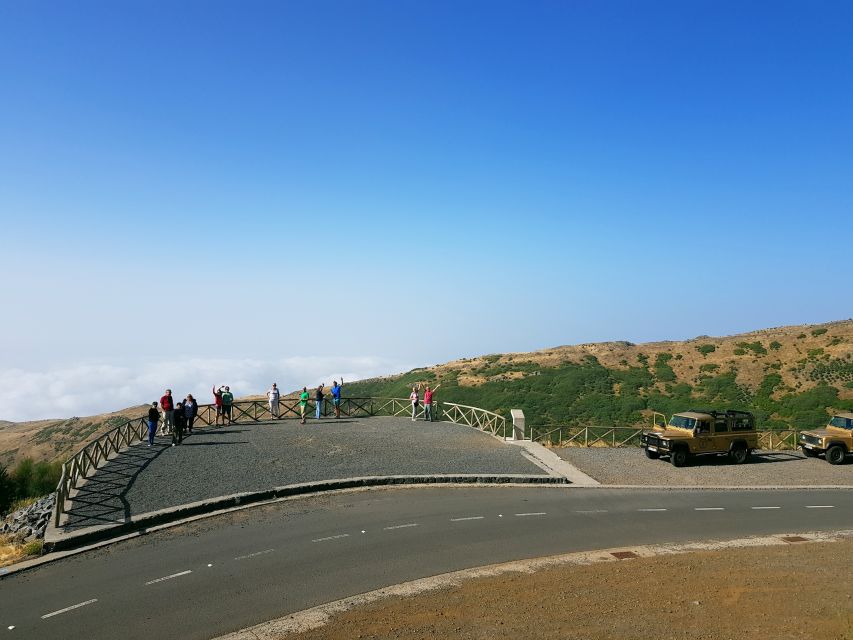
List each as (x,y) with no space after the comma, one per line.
(415,398)
(273,396)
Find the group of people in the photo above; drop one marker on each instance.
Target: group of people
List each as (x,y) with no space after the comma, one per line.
(415,398)
(319,397)
(178,418)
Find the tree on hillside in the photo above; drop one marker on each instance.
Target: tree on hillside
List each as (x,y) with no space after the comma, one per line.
(7,490)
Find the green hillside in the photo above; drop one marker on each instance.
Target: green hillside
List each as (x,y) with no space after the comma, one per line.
(788,377)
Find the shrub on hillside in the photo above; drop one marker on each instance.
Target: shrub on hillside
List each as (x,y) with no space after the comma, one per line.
(34,479)
(818,332)
(756,347)
(775,345)
(705,349)
(7,490)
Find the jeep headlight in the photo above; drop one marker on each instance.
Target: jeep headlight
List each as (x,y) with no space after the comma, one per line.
(802,436)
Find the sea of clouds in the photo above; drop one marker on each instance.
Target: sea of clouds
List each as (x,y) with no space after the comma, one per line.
(92,388)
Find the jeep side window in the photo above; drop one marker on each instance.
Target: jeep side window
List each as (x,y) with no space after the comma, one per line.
(703,426)
(741,424)
(721,425)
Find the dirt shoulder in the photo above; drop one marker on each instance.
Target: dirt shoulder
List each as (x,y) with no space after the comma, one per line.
(793,591)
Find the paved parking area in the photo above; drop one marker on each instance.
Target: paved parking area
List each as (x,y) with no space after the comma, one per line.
(629,465)
(257,456)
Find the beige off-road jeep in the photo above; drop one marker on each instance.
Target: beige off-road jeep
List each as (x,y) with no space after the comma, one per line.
(835,440)
(700,432)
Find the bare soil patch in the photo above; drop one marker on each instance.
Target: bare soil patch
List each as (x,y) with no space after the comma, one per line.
(762,593)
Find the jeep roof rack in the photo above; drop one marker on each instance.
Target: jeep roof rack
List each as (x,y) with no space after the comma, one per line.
(727,412)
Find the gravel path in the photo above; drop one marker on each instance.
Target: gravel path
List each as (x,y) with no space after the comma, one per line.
(629,465)
(257,456)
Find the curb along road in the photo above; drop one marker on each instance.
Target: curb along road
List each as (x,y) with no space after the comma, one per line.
(56,540)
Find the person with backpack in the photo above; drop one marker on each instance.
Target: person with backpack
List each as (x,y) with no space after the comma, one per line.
(190,411)
(336,396)
(303,403)
(217,400)
(428,393)
(318,400)
(227,404)
(168,406)
(180,424)
(153,420)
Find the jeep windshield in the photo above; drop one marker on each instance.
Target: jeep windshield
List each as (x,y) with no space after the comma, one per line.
(682,422)
(841,423)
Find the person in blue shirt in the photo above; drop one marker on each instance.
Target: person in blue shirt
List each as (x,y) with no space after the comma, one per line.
(336,396)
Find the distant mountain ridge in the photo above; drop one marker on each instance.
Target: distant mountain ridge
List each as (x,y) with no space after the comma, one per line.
(788,376)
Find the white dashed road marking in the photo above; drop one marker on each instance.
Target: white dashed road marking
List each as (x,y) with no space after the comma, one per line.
(469,518)
(709,509)
(820,506)
(538,513)
(257,553)
(338,537)
(174,575)
(757,508)
(401,526)
(651,509)
(66,609)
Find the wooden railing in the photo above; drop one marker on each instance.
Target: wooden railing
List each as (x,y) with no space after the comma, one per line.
(565,436)
(473,417)
(90,457)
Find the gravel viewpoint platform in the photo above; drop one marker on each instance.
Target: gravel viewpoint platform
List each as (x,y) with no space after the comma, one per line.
(629,466)
(253,457)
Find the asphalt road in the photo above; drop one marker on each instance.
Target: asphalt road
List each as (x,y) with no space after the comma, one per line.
(225,573)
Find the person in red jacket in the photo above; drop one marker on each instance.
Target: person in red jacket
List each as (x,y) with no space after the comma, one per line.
(168,406)
(217,400)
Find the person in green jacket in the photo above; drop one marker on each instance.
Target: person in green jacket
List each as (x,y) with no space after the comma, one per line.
(303,403)
(227,402)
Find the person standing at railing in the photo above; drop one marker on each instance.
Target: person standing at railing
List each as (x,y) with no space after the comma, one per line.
(428,402)
(303,403)
(416,399)
(318,400)
(180,424)
(217,400)
(227,405)
(190,411)
(336,396)
(168,406)
(273,396)
(153,420)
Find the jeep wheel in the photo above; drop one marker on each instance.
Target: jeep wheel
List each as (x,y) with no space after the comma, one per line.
(738,455)
(809,453)
(652,455)
(835,454)
(678,458)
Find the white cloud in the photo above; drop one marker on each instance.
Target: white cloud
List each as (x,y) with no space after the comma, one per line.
(93,388)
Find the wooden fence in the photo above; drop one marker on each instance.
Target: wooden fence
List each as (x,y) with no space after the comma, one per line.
(564,436)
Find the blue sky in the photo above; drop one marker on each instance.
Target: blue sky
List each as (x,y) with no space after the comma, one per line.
(403,183)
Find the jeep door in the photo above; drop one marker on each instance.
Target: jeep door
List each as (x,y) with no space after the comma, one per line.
(722,435)
(704,440)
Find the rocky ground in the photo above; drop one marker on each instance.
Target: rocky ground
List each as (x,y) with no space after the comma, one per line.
(28,524)
(765,593)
